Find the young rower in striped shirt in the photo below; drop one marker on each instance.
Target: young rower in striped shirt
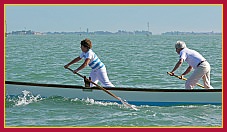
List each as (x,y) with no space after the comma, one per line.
(98,72)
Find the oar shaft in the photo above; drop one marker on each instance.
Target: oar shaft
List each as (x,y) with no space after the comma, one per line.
(76,73)
(200,85)
(97,85)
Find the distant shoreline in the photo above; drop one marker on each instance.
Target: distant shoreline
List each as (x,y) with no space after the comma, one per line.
(120,32)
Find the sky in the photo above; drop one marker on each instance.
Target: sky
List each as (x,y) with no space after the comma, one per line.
(76,18)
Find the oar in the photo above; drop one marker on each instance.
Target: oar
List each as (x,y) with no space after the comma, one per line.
(113,95)
(200,85)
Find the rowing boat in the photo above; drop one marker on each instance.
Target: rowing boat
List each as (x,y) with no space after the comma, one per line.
(136,96)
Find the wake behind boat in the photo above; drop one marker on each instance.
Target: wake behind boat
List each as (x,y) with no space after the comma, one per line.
(135,96)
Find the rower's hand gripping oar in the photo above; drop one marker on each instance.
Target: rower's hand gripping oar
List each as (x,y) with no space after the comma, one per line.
(118,98)
(200,85)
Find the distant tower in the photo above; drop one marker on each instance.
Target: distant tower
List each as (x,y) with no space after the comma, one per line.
(87,30)
(148,26)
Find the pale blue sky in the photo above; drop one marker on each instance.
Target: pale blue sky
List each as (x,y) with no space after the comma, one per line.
(197,18)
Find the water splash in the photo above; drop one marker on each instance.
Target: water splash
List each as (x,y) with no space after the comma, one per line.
(95,102)
(26,98)
(92,101)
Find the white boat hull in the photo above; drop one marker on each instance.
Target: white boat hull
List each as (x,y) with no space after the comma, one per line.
(131,95)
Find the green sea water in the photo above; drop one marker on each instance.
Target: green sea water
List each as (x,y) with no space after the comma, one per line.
(131,61)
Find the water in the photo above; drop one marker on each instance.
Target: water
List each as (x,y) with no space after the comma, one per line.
(131,61)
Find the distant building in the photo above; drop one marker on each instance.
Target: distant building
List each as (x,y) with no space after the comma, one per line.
(23,32)
(190,33)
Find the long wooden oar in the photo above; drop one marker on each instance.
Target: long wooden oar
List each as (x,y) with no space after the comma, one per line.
(200,85)
(113,95)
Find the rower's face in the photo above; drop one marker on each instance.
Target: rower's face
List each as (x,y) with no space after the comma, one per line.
(83,48)
(178,50)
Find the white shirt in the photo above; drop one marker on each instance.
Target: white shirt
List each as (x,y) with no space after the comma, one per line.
(95,62)
(192,57)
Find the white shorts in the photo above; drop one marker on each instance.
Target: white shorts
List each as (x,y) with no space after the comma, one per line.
(202,71)
(100,75)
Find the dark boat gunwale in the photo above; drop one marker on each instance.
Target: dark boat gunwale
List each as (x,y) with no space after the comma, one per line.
(112,88)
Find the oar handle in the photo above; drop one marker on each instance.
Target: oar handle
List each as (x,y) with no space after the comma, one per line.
(200,85)
(177,76)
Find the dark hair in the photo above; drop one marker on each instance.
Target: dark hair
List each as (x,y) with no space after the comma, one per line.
(86,43)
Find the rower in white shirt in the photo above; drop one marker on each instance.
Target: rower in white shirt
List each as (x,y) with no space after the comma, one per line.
(197,62)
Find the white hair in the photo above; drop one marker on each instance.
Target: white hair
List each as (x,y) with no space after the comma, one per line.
(180,44)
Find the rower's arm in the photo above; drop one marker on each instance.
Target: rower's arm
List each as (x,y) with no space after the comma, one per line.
(187,70)
(179,63)
(73,61)
(86,62)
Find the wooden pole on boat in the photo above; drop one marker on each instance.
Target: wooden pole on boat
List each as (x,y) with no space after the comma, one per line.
(113,95)
(200,85)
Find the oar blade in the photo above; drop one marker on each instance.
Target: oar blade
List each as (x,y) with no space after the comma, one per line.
(127,105)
